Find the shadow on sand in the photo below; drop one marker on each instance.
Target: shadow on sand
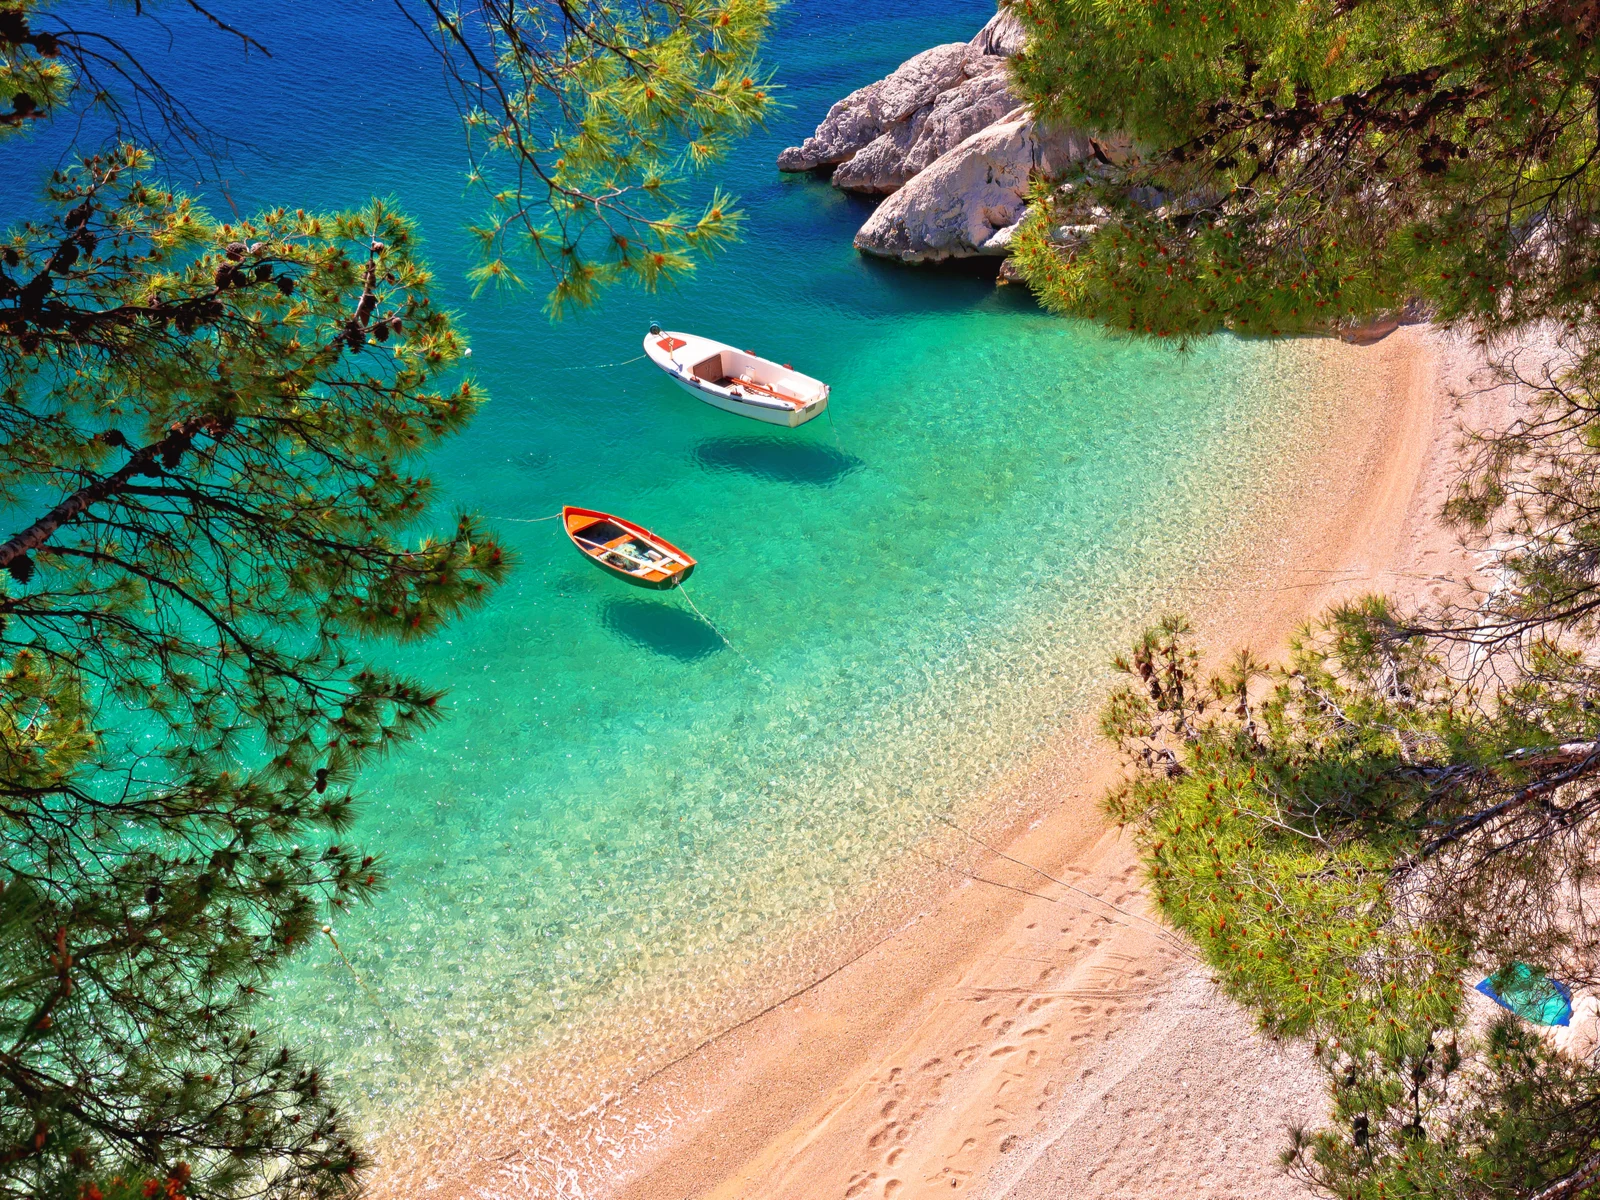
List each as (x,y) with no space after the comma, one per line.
(776,460)
(661,626)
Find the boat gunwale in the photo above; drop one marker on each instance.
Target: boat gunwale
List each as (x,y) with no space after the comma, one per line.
(701,347)
(684,563)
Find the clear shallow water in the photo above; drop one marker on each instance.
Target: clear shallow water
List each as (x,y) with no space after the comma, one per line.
(623,810)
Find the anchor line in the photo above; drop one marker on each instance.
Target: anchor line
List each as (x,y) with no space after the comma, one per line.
(837,444)
(1160,930)
(371,995)
(599,366)
(529,520)
(689,600)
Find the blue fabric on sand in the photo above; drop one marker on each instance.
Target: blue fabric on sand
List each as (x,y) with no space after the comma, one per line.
(1530,993)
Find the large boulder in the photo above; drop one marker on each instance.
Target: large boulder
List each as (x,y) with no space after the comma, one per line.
(1003,35)
(866,113)
(893,157)
(886,132)
(966,202)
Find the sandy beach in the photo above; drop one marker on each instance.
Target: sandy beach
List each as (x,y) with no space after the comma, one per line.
(1031,1031)
(1036,1035)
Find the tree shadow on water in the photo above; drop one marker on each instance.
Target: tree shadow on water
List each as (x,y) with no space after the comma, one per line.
(662,627)
(776,460)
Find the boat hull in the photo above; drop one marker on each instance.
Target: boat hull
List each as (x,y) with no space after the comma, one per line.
(576,521)
(790,419)
(738,381)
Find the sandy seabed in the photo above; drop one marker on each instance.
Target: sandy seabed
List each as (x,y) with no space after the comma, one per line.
(1034,1033)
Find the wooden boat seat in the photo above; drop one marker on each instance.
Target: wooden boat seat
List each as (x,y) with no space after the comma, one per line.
(624,558)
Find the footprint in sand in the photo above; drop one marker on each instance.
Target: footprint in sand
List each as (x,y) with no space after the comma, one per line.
(891,1187)
(1037,1031)
(859,1184)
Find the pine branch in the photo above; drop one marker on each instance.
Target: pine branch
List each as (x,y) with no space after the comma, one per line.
(141,462)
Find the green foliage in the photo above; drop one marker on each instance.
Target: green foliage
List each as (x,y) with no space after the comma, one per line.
(1296,165)
(1349,839)
(211,438)
(1519,1119)
(587,117)
(1270,834)
(227,414)
(34,82)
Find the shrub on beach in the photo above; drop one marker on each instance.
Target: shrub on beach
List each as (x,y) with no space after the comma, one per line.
(1348,838)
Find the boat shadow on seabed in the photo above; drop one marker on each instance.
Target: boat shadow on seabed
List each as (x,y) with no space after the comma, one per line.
(776,460)
(661,626)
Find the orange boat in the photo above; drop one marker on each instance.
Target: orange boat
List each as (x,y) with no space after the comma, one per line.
(630,552)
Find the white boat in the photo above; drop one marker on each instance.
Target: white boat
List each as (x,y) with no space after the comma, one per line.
(736,381)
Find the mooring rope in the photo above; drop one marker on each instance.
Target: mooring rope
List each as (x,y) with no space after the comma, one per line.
(529,520)
(371,995)
(837,444)
(599,366)
(689,600)
(1168,939)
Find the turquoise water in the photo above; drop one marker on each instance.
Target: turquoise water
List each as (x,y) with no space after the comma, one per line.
(625,811)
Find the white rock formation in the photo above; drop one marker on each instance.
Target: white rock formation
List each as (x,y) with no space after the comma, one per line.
(886,132)
(866,113)
(969,200)
(943,135)
(1003,35)
(893,157)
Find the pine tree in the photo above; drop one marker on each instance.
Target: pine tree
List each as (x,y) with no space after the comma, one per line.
(1413,797)
(1295,165)
(1349,837)
(212,438)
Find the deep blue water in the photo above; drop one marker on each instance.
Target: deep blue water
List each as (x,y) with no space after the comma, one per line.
(623,810)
